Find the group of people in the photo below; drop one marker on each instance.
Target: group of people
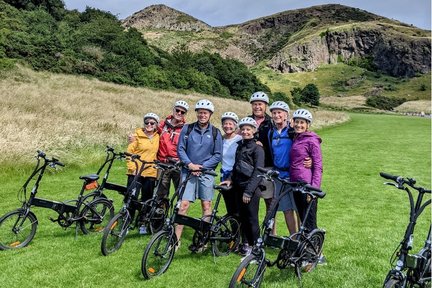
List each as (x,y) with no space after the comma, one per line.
(273,141)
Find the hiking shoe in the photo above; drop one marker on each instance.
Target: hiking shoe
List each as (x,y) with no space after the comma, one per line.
(245,251)
(196,249)
(143,230)
(322,260)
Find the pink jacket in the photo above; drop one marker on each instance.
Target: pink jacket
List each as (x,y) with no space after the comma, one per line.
(306,144)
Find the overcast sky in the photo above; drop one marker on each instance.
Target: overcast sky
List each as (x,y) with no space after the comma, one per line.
(225,12)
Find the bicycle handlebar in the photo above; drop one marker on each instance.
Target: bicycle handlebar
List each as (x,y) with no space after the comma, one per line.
(401,181)
(53,161)
(390,177)
(298,186)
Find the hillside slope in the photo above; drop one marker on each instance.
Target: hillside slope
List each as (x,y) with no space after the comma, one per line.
(296,40)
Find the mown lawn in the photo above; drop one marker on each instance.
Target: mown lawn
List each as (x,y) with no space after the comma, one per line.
(364,219)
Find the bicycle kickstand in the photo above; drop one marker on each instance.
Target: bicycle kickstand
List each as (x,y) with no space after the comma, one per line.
(76,231)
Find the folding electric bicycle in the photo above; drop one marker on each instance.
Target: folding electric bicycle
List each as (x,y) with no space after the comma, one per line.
(17,228)
(410,270)
(300,251)
(97,190)
(222,232)
(151,213)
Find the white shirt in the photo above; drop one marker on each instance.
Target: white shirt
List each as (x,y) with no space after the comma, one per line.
(228,154)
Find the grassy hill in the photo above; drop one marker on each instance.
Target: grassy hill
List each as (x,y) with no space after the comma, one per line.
(64,114)
(347,87)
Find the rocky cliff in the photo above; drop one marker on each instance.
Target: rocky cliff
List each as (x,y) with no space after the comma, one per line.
(393,53)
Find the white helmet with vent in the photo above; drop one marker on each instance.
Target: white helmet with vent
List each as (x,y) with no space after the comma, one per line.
(259,96)
(280,105)
(248,121)
(303,114)
(204,104)
(182,104)
(230,115)
(151,115)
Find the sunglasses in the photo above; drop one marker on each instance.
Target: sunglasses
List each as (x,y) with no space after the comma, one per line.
(149,123)
(180,111)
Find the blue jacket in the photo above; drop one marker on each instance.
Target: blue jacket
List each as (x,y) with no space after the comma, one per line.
(280,148)
(199,147)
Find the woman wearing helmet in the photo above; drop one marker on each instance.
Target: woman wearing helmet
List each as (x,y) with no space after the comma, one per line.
(306,144)
(230,144)
(244,178)
(280,140)
(169,130)
(145,142)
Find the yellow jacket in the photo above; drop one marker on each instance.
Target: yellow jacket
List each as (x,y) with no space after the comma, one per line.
(145,146)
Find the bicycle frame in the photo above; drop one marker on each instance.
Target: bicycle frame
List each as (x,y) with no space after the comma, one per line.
(111,156)
(406,269)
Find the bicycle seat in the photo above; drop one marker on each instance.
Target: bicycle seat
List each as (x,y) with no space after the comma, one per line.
(222,187)
(90,177)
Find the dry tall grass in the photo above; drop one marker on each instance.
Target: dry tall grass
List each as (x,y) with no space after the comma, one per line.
(415,107)
(61,113)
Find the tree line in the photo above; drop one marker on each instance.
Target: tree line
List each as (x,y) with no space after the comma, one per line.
(43,34)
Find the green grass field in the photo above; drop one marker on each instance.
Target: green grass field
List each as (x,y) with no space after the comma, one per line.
(364,219)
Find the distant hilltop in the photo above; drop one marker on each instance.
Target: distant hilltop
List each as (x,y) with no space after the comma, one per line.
(296,40)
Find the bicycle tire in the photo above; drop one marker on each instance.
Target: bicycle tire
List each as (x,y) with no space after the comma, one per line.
(312,250)
(23,235)
(249,273)
(226,237)
(157,216)
(115,233)
(158,254)
(93,195)
(393,283)
(96,215)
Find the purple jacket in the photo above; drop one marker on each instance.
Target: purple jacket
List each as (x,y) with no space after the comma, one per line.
(306,144)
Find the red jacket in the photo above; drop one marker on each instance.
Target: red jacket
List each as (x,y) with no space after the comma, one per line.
(169,137)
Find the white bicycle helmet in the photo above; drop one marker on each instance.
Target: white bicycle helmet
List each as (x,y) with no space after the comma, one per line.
(204,104)
(280,105)
(182,104)
(151,115)
(230,115)
(303,114)
(259,96)
(248,121)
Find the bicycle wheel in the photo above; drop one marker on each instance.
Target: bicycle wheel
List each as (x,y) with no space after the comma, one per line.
(115,233)
(226,237)
(158,214)
(17,229)
(312,250)
(393,283)
(96,215)
(158,254)
(249,273)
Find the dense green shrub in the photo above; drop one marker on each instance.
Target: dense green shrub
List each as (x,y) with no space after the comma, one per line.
(383,102)
(308,95)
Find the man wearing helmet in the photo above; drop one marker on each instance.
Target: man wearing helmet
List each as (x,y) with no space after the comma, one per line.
(145,142)
(169,130)
(200,146)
